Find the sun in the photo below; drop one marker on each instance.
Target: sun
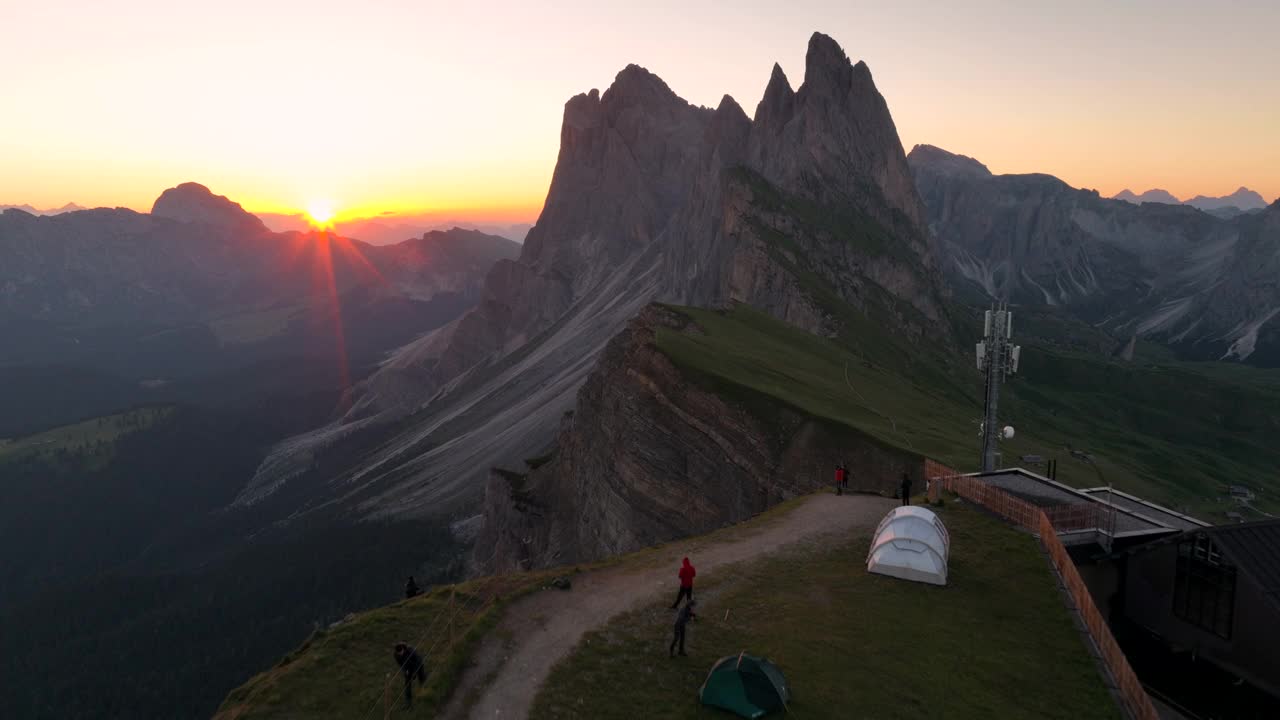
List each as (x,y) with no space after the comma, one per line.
(320,213)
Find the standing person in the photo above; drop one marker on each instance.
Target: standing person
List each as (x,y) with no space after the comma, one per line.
(410,663)
(411,589)
(906,489)
(682,620)
(687,574)
(840,478)
(844,476)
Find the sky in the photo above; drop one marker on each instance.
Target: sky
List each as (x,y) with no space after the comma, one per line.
(424,106)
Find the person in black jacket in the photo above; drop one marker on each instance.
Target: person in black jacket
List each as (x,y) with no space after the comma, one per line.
(682,619)
(410,663)
(411,589)
(906,489)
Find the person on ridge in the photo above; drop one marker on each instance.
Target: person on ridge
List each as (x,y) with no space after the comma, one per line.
(687,574)
(906,489)
(411,589)
(410,664)
(682,620)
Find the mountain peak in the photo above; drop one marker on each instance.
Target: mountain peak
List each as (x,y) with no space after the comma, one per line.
(634,84)
(833,137)
(945,163)
(776,106)
(827,69)
(1155,195)
(824,51)
(193,202)
(728,130)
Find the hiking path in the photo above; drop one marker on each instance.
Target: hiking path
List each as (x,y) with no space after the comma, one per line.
(537,631)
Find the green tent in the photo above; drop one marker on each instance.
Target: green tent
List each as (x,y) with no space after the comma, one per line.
(746,685)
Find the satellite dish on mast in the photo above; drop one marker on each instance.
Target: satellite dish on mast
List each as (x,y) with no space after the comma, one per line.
(1008,432)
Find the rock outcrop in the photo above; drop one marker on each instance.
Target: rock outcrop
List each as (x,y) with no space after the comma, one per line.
(648,455)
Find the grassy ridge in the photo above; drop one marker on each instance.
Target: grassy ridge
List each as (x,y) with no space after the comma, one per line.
(1174,433)
(348,671)
(342,671)
(997,641)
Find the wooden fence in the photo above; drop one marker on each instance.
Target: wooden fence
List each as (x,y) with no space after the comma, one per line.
(1137,704)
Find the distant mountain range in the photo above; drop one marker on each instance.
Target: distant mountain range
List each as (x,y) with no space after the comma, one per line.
(389,228)
(69,207)
(198,283)
(384,229)
(1241,201)
(1203,284)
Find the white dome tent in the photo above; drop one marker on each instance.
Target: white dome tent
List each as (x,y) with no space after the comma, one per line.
(911,543)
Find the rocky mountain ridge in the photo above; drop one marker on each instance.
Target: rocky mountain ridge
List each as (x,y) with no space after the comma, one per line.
(1200,283)
(69,207)
(201,268)
(1156,195)
(1241,201)
(807,212)
(647,455)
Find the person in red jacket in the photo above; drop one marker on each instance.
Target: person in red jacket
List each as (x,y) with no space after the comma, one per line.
(842,479)
(686,583)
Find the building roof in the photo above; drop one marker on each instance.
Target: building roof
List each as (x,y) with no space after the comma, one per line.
(1149,510)
(1254,548)
(1129,519)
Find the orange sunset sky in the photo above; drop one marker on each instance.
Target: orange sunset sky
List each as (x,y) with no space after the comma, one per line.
(455,107)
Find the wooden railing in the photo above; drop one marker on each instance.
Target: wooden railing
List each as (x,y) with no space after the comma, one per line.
(1137,704)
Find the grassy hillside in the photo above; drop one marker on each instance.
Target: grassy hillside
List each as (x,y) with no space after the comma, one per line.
(898,649)
(91,440)
(341,671)
(854,644)
(348,671)
(1176,433)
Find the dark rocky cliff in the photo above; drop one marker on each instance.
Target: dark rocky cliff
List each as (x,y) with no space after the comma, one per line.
(649,454)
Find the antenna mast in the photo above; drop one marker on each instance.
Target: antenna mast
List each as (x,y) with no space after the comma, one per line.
(999,359)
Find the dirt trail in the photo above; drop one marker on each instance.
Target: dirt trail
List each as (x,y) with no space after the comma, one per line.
(538,631)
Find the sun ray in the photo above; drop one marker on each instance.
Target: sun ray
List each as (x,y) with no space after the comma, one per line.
(327,284)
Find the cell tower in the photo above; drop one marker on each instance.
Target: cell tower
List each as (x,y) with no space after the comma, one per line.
(999,359)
